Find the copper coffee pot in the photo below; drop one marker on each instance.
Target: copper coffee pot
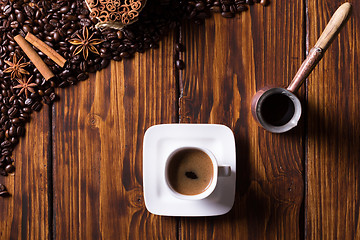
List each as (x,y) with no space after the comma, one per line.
(278,109)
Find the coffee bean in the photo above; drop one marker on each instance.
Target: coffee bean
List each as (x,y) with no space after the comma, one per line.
(4,194)
(264,2)
(20,17)
(48,91)
(64,9)
(36,106)
(180,64)
(14,24)
(41,92)
(28,102)
(200,6)
(12,131)
(191,175)
(5,144)
(14,140)
(16,121)
(52,97)
(227,14)
(56,36)
(179,47)
(20,131)
(82,76)
(46,100)
(10,168)
(26,110)
(12,112)
(3,172)
(7,10)
(7,135)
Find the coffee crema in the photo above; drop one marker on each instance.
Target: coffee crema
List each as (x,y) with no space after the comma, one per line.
(190,172)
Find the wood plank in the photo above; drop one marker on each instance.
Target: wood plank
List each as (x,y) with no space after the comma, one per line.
(333,167)
(98,130)
(227,61)
(25,213)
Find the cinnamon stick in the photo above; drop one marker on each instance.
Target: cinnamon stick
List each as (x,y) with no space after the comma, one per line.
(46,49)
(34,57)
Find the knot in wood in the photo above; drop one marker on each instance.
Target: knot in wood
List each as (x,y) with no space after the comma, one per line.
(93,120)
(288,188)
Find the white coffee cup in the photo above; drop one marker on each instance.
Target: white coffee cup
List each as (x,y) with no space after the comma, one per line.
(218,171)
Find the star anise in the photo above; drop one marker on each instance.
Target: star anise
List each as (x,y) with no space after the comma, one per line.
(25,86)
(16,68)
(85,43)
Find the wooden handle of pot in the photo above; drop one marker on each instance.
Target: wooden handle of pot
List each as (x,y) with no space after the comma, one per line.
(317,52)
(334,26)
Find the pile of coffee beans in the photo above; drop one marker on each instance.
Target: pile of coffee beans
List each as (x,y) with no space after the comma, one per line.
(56,22)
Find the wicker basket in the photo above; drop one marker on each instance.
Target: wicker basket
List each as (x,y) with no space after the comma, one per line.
(115,13)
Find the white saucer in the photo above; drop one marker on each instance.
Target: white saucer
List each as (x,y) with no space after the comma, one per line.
(160,141)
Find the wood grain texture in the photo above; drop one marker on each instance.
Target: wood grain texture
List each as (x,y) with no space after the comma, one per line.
(98,135)
(227,61)
(98,128)
(24,215)
(333,167)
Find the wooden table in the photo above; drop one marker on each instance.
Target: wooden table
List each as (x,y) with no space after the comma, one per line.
(79,168)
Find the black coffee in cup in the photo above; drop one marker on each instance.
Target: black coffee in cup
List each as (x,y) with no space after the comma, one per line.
(190,171)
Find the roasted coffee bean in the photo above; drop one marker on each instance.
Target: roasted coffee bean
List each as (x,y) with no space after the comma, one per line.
(16,121)
(227,14)
(3,173)
(49,91)
(180,64)
(124,55)
(241,8)
(20,17)
(10,168)
(12,131)
(2,134)
(179,47)
(14,24)
(14,140)
(24,115)
(12,112)
(28,102)
(20,131)
(36,106)
(264,2)
(82,76)
(200,6)
(7,10)
(52,97)
(46,100)
(5,144)
(64,9)
(4,194)
(41,92)
(26,110)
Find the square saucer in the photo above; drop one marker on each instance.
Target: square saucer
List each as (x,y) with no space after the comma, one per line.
(160,141)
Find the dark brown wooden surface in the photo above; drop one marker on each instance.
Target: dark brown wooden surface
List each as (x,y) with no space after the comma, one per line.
(98,133)
(224,70)
(25,214)
(333,146)
(79,168)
